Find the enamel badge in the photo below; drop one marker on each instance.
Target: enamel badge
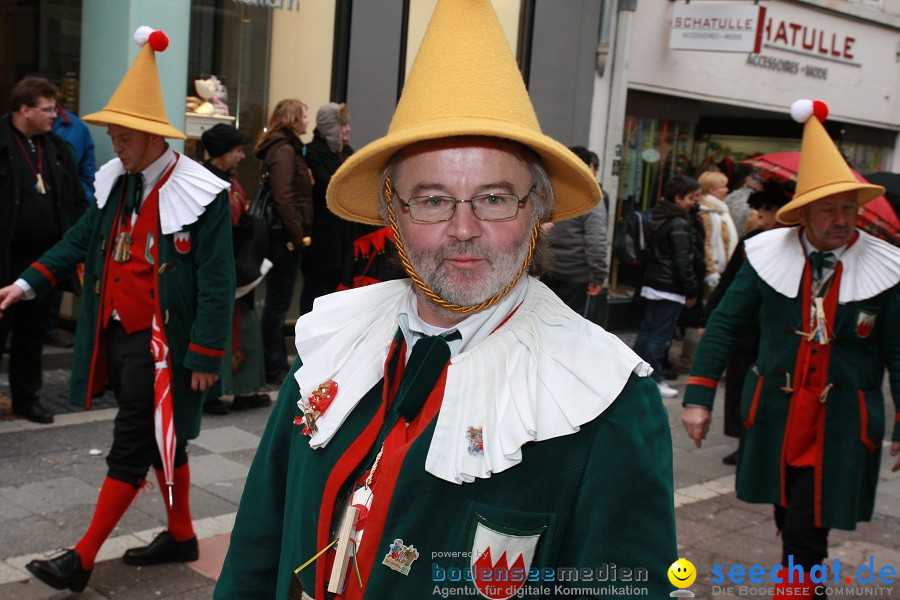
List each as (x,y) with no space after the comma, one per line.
(183,242)
(501,557)
(400,557)
(148,251)
(315,405)
(865,322)
(476,441)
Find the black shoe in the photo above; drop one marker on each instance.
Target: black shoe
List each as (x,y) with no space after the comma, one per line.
(216,407)
(63,572)
(163,549)
(34,412)
(731,459)
(251,401)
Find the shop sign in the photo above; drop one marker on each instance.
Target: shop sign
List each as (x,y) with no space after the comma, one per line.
(289,4)
(791,67)
(717,27)
(800,37)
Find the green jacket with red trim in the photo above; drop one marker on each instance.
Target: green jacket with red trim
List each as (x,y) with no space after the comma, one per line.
(865,341)
(196,296)
(602,498)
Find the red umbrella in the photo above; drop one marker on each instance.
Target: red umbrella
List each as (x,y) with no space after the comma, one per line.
(876,217)
(163,417)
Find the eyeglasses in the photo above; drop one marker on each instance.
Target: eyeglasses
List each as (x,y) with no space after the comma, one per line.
(50,110)
(486,207)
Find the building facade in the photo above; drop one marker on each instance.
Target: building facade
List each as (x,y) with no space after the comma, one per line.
(646,84)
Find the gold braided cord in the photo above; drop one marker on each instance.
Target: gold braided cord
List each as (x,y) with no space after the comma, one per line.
(407,265)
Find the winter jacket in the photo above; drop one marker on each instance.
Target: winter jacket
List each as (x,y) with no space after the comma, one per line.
(290,182)
(721,237)
(194,291)
(60,174)
(579,247)
(332,237)
(673,262)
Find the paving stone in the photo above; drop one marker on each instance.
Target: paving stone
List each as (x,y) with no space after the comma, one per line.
(245,457)
(117,580)
(212,467)
(226,439)
(230,490)
(52,494)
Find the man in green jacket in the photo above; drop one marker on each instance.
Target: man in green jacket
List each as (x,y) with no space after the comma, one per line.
(826,297)
(154,323)
(462,431)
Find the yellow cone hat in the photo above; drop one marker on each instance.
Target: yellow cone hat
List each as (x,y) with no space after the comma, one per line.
(464,81)
(823,172)
(138,101)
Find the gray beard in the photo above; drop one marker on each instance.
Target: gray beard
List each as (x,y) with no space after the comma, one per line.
(466,289)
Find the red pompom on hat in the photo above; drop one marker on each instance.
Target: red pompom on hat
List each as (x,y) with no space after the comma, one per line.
(802,110)
(158,41)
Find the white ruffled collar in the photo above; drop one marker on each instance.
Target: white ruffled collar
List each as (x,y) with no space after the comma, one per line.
(182,198)
(870,265)
(533,379)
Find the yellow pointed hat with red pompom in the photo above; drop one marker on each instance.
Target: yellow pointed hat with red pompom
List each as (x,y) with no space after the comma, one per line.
(823,172)
(138,101)
(464,82)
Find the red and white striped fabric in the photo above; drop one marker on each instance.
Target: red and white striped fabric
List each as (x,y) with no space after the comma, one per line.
(163,417)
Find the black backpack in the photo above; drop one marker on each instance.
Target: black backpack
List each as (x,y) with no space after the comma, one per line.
(632,243)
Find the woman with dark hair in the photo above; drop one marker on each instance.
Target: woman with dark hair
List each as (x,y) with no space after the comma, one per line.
(242,375)
(285,171)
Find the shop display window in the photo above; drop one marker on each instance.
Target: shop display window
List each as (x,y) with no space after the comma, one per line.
(41,37)
(229,52)
(653,150)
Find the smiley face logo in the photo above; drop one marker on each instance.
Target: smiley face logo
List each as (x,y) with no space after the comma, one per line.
(682,573)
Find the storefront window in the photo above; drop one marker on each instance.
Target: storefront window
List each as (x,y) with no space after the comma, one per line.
(41,37)
(654,150)
(230,42)
(867,158)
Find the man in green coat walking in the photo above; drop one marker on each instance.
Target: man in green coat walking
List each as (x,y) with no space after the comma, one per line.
(826,297)
(463,431)
(154,323)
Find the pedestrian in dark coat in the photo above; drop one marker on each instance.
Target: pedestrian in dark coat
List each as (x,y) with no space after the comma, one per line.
(40,199)
(324,260)
(670,282)
(281,152)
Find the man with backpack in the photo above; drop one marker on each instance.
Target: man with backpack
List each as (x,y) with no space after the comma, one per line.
(670,282)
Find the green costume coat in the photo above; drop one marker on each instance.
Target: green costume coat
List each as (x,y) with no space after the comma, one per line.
(196,291)
(865,339)
(601,496)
